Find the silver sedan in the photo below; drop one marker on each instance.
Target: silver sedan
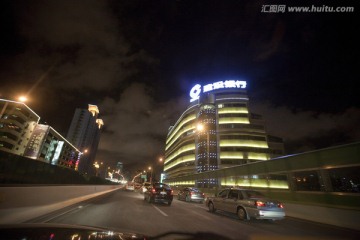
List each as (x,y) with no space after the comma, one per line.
(191,194)
(246,204)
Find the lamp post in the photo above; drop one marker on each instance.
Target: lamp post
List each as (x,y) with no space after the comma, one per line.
(3,109)
(107,171)
(151,173)
(97,166)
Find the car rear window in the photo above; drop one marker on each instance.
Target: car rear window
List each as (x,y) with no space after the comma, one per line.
(194,190)
(161,185)
(254,194)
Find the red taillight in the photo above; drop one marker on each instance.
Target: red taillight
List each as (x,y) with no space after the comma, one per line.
(153,190)
(172,191)
(280,205)
(191,193)
(260,204)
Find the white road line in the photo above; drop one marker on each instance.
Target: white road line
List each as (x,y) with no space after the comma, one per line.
(61,214)
(203,207)
(199,214)
(160,210)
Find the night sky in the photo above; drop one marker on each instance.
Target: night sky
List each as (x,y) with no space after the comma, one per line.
(137,60)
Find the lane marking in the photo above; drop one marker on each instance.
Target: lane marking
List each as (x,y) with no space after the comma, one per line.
(199,214)
(202,207)
(160,210)
(66,212)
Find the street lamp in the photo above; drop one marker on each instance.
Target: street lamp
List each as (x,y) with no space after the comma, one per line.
(151,173)
(22,98)
(108,173)
(97,166)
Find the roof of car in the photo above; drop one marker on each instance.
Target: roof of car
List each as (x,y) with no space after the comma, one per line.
(238,188)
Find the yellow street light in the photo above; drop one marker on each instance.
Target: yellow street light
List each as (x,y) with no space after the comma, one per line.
(22,98)
(96,165)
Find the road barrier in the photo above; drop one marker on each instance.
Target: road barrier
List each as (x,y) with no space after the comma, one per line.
(21,203)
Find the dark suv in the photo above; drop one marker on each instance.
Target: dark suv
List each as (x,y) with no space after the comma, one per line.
(159,192)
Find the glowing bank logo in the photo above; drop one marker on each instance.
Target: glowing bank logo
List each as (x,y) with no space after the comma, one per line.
(198,89)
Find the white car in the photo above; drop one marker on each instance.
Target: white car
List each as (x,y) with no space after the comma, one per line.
(130,186)
(145,186)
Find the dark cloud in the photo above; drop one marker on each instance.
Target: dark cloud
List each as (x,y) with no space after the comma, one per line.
(309,130)
(136,125)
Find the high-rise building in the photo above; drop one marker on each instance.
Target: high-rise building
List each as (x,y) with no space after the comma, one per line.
(84,133)
(17,122)
(218,130)
(21,134)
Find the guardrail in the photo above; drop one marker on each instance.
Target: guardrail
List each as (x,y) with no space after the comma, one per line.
(21,203)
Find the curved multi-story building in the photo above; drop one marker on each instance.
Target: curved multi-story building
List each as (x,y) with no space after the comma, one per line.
(21,134)
(218,130)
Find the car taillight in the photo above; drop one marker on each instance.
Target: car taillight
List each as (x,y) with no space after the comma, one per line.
(260,204)
(280,205)
(172,191)
(153,190)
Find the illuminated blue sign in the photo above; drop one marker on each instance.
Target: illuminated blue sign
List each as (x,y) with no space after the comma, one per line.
(197,89)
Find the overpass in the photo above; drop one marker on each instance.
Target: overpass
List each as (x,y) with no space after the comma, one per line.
(321,185)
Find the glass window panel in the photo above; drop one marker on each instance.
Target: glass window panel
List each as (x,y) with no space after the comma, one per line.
(307,181)
(345,179)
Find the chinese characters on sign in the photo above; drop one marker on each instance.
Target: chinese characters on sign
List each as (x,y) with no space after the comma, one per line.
(196,90)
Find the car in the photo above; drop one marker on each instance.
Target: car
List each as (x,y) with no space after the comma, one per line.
(247,204)
(138,185)
(190,194)
(159,192)
(130,186)
(145,186)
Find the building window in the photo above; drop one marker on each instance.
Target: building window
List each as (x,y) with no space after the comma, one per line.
(307,181)
(345,179)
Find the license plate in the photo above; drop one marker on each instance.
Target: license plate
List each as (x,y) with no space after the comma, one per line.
(163,193)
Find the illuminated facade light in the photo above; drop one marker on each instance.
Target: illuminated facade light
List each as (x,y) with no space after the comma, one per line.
(100,123)
(93,109)
(231,134)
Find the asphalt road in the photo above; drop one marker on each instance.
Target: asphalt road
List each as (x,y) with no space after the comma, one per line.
(127,211)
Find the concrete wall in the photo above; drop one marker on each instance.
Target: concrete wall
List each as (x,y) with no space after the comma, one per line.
(19,204)
(345,218)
